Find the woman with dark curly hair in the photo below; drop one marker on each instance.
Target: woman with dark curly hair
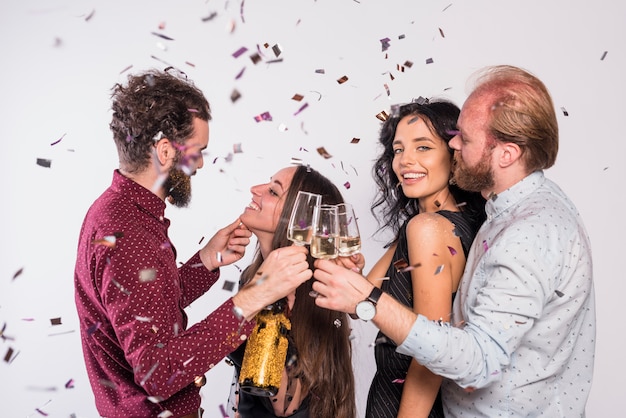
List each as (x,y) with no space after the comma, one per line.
(434,223)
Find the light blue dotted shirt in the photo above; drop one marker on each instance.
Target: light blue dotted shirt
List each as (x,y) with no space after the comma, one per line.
(521,340)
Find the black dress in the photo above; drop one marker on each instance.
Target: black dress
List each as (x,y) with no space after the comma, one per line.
(383,400)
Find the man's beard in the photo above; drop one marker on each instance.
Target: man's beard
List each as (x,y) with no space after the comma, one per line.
(477,178)
(178,187)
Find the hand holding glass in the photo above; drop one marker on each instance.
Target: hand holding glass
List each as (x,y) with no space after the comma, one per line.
(325,233)
(302,217)
(349,237)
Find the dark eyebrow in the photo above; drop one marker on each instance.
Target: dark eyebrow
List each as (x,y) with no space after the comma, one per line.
(282,186)
(419,139)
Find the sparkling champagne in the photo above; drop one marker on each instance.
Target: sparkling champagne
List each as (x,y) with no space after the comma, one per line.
(324,246)
(300,235)
(349,245)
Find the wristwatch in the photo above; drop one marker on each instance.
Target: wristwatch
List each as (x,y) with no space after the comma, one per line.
(366,309)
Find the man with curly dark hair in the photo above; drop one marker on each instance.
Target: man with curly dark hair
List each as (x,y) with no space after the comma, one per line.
(141,357)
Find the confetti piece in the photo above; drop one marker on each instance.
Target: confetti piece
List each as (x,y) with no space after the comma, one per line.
(276,49)
(355,140)
(147,275)
(55,321)
(409,268)
(120,287)
(44,162)
(240,73)
(90,15)
(387,89)
(107,383)
(58,140)
(108,241)
(385,44)
(235,95)
(228,285)
(218,257)
(304,106)
(210,17)
(337,323)
(408,64)
(429,61)
(223,411)
(322,151)
(604,55)
(17,273)
(452,250)
(383,116)
(165,245)
(239,52)
(69,384)
(342,79)
(559,293)
(441,33)
(400,264)
(485,246)
(397,381)
(155,399)
(297,97)
(263,116)
(160,35)
(149,374)
(346,185)
(439,269)
(320,71)
(165,414)
(282,127)
(8,355)
(143,318)
(126,69)
(565,113)
(255,58)
(93,328)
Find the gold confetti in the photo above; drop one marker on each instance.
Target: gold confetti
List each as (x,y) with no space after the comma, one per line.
(322,151)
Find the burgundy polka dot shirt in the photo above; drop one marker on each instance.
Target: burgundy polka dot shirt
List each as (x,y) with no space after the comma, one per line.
(140,355)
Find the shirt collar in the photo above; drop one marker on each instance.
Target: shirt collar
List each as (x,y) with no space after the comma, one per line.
(141,196)
(514,194)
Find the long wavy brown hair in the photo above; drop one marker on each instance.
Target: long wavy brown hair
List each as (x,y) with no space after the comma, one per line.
(321,336)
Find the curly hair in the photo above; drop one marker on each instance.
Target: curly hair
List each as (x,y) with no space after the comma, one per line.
(390,206)
(151,102)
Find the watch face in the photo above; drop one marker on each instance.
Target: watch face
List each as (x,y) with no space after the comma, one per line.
(365,310)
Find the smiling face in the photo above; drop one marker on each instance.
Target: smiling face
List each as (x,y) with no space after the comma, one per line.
(421,161)
(263,212)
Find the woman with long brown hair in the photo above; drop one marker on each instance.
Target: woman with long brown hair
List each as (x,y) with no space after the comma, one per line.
(318,380)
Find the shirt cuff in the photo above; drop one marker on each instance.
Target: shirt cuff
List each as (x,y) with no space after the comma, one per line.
(422,341)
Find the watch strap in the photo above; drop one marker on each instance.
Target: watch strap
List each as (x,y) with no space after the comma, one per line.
(375,294)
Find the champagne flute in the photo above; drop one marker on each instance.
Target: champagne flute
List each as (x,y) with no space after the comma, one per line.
(349,236)
(303,214)
(325,233)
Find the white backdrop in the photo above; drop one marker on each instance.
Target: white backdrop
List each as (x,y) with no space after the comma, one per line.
(60,59)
